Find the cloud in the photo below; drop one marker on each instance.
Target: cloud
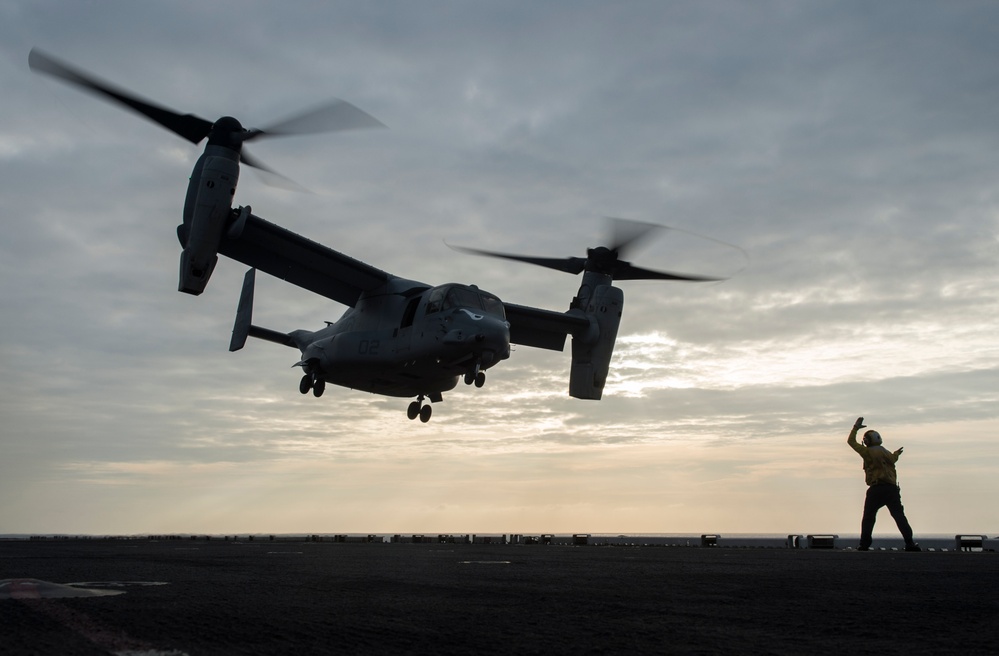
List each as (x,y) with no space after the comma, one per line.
(847,149)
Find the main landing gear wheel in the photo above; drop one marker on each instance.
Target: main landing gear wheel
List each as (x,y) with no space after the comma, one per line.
(309,382)
(417,409)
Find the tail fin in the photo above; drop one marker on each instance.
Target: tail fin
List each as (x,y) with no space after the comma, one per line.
(243,327)
(244,313)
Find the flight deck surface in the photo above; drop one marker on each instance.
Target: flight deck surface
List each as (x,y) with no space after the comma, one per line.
(299,597)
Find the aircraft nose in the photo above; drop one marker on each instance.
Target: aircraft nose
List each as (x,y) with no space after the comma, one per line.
(486,333)
(496,336)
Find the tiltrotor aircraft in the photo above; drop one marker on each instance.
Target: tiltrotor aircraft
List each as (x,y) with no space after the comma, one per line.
(398,337)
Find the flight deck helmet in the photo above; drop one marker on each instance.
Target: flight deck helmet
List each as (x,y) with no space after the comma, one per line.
(872,438)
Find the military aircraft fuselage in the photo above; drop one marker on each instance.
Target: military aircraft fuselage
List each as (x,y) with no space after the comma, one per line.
(407,339)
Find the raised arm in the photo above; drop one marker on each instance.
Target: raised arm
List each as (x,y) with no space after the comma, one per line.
(852,438)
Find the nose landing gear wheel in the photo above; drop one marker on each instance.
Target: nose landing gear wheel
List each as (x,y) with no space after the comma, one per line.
(478,378)
(306,384)
(425,413)
(413,410)
(318,387)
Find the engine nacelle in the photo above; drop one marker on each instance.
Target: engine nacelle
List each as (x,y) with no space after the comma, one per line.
(591,352)
(209,203)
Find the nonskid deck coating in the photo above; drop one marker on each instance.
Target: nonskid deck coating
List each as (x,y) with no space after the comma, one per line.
(305,597)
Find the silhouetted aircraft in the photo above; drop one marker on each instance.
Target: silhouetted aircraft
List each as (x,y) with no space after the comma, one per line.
(398,337)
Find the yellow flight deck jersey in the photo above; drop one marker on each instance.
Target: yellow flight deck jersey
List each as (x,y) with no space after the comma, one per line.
(879,462)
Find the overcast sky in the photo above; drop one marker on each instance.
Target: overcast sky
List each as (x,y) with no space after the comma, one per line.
(849,149)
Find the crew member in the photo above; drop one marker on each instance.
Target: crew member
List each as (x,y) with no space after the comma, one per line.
(882,490)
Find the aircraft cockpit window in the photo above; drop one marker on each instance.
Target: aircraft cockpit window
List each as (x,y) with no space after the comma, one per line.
(493,305)
(460,297)
(472,299)
(434,300)
(457,297)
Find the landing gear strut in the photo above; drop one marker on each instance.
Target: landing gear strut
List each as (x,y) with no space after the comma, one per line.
(417,409)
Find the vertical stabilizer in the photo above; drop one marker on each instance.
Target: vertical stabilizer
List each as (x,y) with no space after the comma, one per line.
(244,312)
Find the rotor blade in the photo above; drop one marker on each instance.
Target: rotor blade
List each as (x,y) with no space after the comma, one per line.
(625,271)
(626,233)
(188,126)
(571,265)
(269,175)
(249,160)
(335,116)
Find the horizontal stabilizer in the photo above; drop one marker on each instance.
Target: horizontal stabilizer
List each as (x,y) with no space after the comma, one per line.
(272,336)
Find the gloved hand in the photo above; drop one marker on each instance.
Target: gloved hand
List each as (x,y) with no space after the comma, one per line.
(859,424)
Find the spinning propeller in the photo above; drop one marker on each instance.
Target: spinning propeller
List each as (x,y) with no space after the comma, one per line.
(335,116)
(605,260)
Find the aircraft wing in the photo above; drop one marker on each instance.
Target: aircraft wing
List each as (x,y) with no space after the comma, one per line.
(542,328)
(300,261)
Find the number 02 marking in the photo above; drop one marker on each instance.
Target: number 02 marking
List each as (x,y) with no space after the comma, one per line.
(368,347)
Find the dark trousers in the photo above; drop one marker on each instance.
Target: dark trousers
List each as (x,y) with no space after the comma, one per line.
(878,496)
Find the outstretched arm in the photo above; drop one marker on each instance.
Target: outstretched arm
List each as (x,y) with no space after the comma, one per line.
(857,425)
(852,439)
